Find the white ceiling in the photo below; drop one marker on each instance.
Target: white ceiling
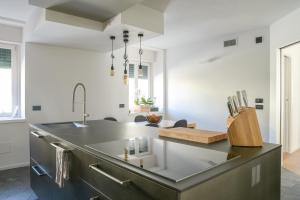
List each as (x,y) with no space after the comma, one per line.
(187,21)
(15,10)
(192,20)
(100,10)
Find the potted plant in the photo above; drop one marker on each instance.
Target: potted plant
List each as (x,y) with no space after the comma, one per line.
(143,104)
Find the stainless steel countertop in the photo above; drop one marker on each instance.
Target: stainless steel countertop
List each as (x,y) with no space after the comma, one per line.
(102,131)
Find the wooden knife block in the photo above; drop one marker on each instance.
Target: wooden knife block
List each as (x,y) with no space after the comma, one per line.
(243,129)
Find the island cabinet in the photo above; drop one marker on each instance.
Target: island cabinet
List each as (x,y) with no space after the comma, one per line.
(90,177)
(116,182)
(43,169)
(245,174)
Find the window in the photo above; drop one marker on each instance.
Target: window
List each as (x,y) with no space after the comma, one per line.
(139,86)
(9,82)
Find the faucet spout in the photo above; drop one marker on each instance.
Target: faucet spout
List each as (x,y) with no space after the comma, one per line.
(85,115)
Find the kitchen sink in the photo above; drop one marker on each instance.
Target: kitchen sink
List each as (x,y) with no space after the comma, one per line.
(64,125)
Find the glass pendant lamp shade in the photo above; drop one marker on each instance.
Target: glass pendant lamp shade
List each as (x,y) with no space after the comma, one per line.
(125,78)
(140,71)
(126,61)
(112,70)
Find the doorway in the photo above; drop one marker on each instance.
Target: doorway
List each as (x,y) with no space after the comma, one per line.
(290,106)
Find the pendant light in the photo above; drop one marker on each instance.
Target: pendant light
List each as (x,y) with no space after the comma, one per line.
(125,39)
(112,69)
(140,71)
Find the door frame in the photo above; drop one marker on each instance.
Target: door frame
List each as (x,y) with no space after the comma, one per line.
(286,111)
(281,135)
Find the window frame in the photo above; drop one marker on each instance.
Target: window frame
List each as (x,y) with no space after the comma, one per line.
(150,78)
(16,79)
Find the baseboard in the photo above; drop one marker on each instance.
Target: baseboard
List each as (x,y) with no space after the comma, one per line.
(12,166)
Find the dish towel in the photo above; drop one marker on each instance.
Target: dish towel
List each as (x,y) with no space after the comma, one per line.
(63,164)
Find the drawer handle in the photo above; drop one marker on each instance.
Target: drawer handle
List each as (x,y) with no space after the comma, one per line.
(123,183)
(95,198)
(58,145)
(38,170)
(36,134)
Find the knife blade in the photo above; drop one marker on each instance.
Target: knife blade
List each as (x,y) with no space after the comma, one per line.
(238,94)
(235,103)
(232,105)
(230,108)
(245,98)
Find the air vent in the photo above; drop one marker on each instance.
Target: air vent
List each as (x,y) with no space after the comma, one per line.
(229,43)
(259,40)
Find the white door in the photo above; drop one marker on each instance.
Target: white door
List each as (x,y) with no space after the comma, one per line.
(286,102)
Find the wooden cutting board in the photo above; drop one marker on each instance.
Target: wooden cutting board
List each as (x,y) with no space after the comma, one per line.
(194,135)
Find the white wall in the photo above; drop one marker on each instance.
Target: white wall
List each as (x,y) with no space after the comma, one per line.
(282,32)
(293,52)
(53,71)
(201,75)
(51,74)
(159,80)
(10,33)
(14,145)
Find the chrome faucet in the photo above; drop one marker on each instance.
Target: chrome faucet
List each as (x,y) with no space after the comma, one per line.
(85,115)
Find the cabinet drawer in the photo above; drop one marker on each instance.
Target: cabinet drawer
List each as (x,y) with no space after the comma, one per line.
(40,182)
(116,182)
(76,189)
(42,152)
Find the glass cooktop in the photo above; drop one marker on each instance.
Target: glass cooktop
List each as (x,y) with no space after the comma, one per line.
(171,160)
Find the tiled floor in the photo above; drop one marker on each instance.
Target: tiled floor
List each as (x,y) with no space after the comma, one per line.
(290,185)
(14,185)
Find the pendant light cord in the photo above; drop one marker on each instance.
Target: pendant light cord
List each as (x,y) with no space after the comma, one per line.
(112,51)
(125,57)
(125,36)
(140,50)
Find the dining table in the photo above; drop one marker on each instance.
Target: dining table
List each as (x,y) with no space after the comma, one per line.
(164,124)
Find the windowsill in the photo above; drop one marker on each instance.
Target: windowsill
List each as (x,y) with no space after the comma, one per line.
(7,120)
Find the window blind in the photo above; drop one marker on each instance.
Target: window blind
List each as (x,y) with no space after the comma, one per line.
(5,58)
(131,71)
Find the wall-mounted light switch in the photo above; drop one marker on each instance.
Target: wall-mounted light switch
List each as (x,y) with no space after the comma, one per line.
(36,108)
(259,107)
(259,40)
(259,100)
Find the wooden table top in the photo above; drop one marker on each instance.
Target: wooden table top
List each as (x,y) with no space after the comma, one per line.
(164,124)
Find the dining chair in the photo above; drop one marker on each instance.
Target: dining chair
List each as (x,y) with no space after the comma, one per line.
(140,118)
(153,125)
(110,119)
(180,123)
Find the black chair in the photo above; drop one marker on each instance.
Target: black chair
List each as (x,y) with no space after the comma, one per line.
(110,119)
(180,123)
(153,125)
(140,118)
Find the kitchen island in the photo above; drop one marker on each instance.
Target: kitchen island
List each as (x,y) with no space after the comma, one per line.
(112,160)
